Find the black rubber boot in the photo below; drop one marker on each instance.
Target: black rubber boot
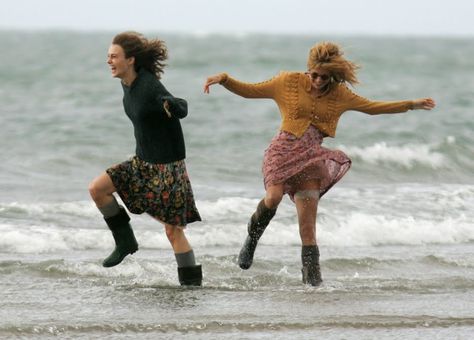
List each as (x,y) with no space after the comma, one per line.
(256,226)
(311,270)
(125,242)
(190,276)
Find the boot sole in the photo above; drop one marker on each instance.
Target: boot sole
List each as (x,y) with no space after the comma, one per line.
(113,265)
(245,265)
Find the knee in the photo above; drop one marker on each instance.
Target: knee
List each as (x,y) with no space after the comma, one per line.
(272,200)
(172,233)
(98,192)
(94,191)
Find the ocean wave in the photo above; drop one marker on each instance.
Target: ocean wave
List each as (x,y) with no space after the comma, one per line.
(371,263)
(39,210)
(226,327)
(361,229)
(133,272)
(406,156)
(341,275)
(368,216)
(450,263)
(46,239)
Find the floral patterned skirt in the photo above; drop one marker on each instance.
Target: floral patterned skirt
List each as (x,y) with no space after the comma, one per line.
(161,190)
(290,160)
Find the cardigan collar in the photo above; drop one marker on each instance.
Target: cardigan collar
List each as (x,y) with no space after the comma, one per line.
(306,83)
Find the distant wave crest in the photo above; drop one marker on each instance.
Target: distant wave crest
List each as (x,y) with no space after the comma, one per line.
(406,156)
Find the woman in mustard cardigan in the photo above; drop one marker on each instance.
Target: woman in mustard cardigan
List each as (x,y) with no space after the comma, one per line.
(295,163)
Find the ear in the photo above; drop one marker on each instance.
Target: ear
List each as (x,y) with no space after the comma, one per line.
(131,60)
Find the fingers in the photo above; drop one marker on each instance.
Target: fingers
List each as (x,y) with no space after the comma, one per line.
(211,81)
(424,104)
(206,88)
(428,103)
(166,106)
(207,84)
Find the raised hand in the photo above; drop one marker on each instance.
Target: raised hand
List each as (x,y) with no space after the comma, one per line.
(423,104)
(166,106)
(216,79)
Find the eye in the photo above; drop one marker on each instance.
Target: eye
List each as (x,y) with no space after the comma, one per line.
(315,75)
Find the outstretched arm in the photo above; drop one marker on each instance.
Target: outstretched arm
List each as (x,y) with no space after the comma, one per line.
(265,89)
(358,103)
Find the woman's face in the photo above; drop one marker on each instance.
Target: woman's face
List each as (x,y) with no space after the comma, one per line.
(319,78)
(119,65)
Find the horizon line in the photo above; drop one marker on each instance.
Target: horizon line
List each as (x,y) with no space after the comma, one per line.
(238,34)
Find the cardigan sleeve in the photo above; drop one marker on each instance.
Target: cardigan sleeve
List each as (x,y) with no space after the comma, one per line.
(178,107)
(265,89)
(355,102)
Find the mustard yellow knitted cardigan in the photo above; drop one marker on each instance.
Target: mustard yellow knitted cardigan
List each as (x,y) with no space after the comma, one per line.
(299,109)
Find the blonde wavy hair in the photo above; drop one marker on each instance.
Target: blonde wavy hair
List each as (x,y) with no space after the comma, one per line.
(329,57)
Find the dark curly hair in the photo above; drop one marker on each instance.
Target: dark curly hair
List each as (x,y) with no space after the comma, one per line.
(148,53)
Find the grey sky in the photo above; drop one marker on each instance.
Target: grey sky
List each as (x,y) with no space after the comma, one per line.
(400,17)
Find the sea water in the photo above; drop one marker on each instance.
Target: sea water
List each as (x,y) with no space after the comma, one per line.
(396,235)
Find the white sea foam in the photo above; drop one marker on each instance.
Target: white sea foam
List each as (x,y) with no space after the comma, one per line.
(405,155)
(141,272)
(227,206)
(372,230)
(78,209)
(366,216)
(353,229)
(44,239)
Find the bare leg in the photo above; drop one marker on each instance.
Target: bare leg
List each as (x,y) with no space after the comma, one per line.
(101,190)
(273,196)
(306,200)
(177,239)
(189,273)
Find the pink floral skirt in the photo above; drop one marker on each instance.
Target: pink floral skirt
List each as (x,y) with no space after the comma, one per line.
(291,160)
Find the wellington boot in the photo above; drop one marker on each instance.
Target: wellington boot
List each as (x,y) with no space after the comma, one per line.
(125,242)
(190,276)
(311,270)
(255,228)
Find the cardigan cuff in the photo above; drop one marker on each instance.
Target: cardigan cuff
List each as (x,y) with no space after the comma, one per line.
(225,77)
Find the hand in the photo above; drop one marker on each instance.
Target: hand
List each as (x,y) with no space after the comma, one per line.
(166,106)
(216,79)
(424,104)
